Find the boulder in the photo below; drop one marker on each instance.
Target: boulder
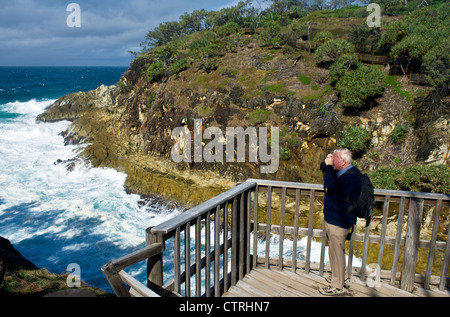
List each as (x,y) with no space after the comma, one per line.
(11,258)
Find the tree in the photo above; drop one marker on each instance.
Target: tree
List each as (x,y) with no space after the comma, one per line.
(206,50)
(437,66)
(236,14)
(409,40)
(342,65)
(391,7)
(272,34)
(360,37)
(166,60)
(193,22)
(163,34)
(286,6)
(323,36)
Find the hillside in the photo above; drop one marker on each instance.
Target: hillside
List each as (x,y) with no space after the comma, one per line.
(344,84)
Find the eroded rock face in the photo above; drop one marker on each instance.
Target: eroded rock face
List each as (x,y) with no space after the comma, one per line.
(75,105)
(435,145)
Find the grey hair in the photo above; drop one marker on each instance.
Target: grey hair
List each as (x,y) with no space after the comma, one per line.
(345,154)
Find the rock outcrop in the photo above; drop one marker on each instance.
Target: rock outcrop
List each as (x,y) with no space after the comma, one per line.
(11,259)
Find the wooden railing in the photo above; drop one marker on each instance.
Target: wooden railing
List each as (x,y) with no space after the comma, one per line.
(213,245)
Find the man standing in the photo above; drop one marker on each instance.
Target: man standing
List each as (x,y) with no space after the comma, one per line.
(341,188)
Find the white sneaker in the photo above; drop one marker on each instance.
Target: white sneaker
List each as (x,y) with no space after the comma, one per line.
(330,291)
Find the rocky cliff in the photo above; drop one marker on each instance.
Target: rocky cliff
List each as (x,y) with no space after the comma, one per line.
(129,126)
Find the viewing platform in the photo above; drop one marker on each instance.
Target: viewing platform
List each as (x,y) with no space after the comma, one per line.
(266,238)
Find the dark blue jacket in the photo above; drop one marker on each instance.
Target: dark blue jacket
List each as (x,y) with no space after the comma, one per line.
(340,192)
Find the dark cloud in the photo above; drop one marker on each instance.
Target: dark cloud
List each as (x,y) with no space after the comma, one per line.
(35,32)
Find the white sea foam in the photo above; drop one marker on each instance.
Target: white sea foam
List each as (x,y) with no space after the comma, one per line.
(55,216)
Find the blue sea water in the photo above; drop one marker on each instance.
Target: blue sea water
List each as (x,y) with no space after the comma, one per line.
(53,216)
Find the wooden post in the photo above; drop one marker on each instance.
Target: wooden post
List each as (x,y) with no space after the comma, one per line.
(310,230)
(437,212)
(216,252)
(269,211)
(282,215)
(294,246)
(114,280)
(415,215)
(255,227)
(154,264)
(398,239)
(234,244)
(443,280)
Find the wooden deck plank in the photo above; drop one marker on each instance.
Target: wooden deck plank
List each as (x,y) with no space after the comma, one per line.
(266,282)
(290,280)
(279,284)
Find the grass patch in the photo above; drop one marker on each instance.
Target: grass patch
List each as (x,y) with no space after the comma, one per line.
(304,79)
(277,88)
(259,116)
(391,81)
(37,283)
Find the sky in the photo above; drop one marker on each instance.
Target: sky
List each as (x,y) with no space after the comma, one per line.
(45,33)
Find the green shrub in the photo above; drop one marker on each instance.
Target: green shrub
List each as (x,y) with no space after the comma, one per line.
(271,36)
(151,99)
(426,178)
(385,177)
(358,85)
(258,116)
(333,49)
(206,50)
(323,36)
(125,87)
(355,138)
(227,29)
(398,135)
(418,178)
(165,61)
(285,153)
(342,65)
(156,71)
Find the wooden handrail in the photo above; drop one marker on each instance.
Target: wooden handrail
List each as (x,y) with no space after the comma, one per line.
(191,214)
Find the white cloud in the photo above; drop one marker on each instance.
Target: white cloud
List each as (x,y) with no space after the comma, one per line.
(34,32)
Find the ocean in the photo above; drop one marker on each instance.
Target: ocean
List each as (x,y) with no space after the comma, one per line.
(53,216)
(57,217)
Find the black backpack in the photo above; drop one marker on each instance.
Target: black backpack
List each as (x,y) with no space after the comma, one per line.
(363,207)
